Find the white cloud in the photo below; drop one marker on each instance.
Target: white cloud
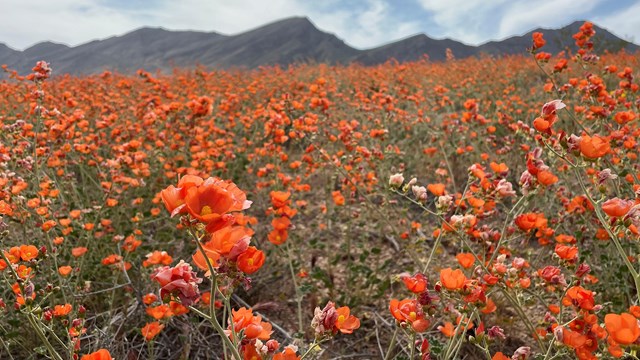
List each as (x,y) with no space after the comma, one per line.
(226,16)
(24,23)
(362,24)
(476,22)
(520,17)
(624,23)
(463,20)
(77,21)
(366,29)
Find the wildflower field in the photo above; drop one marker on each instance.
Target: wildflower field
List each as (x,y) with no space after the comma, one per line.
(482,208)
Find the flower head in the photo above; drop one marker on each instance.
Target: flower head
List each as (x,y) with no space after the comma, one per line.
(179,280)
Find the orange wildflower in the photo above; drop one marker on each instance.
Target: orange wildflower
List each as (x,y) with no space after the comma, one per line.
(157,258)
(201,262)
(251,260)
(281,223)
(546,178)
(5,208)
(416,284)
(159,312)
(579,297)
(436,189)
(149,298)
(61,310)
(253,326)
(594,147)
(500,356)
(466,260)
(287,354)
(151,330)
(617,207)
(230,241)
(212,202)
(101,354)
(569,253)
(409,311)
(447,329)
(346,322)
(78,251)
(64,270)
(279,198)
(538,40)
(623,328)
(452,279)
(528,221)
(28,252)
(278,237)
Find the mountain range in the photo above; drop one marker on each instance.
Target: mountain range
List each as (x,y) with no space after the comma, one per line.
(288,41)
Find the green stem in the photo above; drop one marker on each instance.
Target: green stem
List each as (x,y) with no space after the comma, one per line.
(392,344)
(311,347)
(523,317)
(212,318)
(299,296)
(54,354)
(614,238)
(151,351)
(413,345)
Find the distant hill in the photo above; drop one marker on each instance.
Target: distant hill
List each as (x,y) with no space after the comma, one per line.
(284,42)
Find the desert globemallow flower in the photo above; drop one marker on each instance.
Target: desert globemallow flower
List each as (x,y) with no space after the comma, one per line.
(452,279)
(409,312)
(623,328)
(593,147)
(180,281)
(211,201)
(617,207)
(548,117)
(102,354)
(330,320)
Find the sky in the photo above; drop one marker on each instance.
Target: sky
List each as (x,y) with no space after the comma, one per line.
(360,23)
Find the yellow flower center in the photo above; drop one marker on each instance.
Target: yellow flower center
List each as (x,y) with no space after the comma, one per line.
(341,319)
(412,315)
(206,210)
(250,262)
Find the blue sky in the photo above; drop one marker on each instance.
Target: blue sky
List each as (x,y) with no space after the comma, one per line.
(360,23)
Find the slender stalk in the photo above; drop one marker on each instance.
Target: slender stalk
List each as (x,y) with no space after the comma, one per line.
(436,244)
(523,317)
(614,238)
(30,317)
(413,345)
(311,348)
(299,296)
(213,319)
(152,353)
(54,354)
(392,344)
(4,345)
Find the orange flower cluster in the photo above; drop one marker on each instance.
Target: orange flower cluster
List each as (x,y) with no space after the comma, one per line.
(280,206)
(214,204)
(211,201)
(329,320)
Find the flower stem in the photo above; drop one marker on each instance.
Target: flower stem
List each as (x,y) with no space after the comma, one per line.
(614,238)
(413,345)
(392,344)
(214,286)
(299,296)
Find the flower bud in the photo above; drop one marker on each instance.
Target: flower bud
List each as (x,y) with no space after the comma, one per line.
(396,180)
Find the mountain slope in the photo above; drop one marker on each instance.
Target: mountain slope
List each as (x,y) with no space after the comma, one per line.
(558,40)
(284,42)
